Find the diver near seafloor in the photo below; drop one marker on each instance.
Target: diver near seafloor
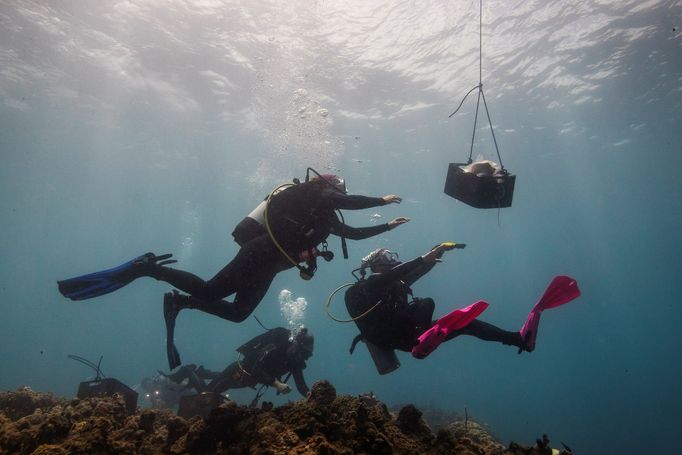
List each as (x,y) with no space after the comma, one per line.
(266,358)
(387,319)
(158,392)
(284,231)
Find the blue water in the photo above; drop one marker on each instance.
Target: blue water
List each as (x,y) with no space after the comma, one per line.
(137,126)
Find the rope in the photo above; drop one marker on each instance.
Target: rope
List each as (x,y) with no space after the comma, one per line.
(480,43)
(462,102)
(492,130)
(481,94)
(473,134)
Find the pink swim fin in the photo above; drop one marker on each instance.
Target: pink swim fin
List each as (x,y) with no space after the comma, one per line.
(561,290)
(455,320)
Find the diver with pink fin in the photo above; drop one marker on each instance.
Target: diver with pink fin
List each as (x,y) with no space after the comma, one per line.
(389,320)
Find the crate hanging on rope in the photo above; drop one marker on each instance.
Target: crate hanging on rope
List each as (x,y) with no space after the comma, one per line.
(482,184)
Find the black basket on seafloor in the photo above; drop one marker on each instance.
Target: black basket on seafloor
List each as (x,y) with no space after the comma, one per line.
(480,191)
(108,387)
(199,405)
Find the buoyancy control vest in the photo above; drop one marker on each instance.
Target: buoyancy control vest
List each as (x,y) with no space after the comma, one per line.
(380,348)
(296,219)
(380,325)
(267,355)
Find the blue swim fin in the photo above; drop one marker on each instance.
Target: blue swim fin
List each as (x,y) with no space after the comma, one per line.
(99,283)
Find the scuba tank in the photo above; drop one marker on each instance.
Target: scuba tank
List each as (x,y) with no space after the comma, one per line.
(253,225)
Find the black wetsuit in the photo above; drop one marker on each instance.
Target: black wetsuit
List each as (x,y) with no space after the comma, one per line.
(396,323)
(301,217)
(267,358)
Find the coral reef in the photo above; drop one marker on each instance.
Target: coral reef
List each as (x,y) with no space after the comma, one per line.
(324,423)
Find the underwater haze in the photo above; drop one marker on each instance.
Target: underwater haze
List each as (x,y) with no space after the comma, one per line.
(157,125)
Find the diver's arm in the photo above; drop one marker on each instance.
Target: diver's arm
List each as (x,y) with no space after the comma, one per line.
(353,233)
(337,200)
(301,386)
(411,277)
(399,272)
(428,260)
(349,232)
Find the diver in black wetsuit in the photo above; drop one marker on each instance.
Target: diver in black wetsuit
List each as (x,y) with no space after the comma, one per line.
(158,392)
(301,217)
(395,322)
(267,358)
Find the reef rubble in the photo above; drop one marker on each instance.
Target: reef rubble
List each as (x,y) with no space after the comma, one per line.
(324,423)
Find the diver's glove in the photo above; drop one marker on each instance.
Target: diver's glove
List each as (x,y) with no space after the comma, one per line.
(447,246)
(282,387)
(437,251)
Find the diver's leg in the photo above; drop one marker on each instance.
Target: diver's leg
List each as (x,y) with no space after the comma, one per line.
(229,378)
(249,275)
(218,287)
(188,372)
(248,263)
(246,299)
(403,327)
(185,281)
(420,313)
(205,373)
(179,375)
(196,382)
(488,332)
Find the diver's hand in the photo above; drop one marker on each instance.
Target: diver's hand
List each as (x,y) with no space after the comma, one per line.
(392,199)
(282,387)
(435,254)
(397,222)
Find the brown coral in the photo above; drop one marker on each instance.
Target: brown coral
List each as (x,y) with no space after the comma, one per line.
(34,423)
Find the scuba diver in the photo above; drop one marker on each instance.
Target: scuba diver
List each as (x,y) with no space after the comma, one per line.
(388,321)
(282,232)
(159,393)
(266,358)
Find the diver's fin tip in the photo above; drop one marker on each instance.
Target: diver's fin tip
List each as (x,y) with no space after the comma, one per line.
(99,283)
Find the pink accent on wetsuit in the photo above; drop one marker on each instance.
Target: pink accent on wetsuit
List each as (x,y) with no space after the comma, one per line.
(303,256)
(562,289)
(455,320)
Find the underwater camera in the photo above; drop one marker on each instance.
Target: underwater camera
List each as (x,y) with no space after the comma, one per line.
(490,188)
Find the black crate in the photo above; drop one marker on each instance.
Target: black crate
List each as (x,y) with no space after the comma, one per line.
(480,191)
(108,387)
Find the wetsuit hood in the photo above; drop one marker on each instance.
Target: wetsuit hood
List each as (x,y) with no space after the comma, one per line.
(378,258)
